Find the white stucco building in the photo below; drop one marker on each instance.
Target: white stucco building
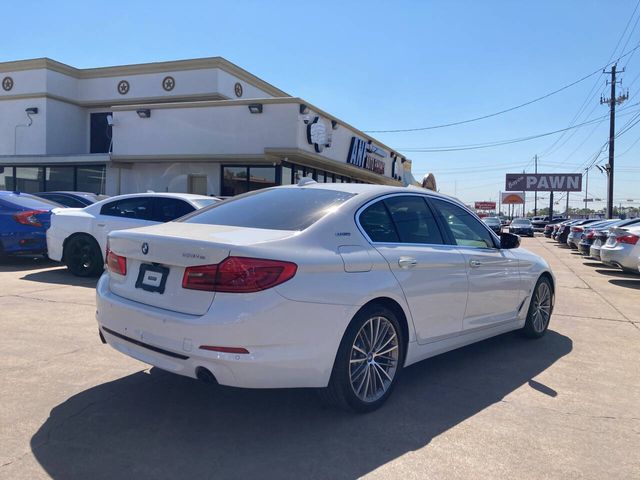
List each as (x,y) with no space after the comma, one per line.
(201,126)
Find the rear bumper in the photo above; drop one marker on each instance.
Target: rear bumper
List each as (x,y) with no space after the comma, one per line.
(291,344)
(619,256)
(19,243)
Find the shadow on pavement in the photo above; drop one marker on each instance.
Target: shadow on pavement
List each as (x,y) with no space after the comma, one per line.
(635,284)
(60,276)
(596,264)
(18,264)
(158,425)
(615,272)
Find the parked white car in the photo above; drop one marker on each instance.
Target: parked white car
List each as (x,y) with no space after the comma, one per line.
(317,285)
(78,236)
(622,248)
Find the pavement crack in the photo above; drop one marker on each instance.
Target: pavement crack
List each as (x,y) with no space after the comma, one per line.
(49,300)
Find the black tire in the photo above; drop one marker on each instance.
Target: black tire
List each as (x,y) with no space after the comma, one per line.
(340,392)
(83,257)
(537,321)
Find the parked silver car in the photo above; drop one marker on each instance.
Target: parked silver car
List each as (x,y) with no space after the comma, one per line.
(622,248)
(600,235)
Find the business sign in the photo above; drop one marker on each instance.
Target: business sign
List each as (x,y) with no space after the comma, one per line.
(485,205)
(364,154)
(318,134)
(512,198)
(544,182)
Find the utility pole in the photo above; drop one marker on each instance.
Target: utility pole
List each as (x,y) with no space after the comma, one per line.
(550,206)
(567,209)
(612,101)
(586,192)
(535,193)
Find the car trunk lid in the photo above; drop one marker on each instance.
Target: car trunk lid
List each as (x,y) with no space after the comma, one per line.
(157,256)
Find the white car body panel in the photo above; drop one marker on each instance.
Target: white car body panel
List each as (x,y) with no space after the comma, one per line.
(620,254)
(68,221)
(293,330)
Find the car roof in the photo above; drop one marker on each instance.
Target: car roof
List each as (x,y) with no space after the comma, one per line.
(373,190)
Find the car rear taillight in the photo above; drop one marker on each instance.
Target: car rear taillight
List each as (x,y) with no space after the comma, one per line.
(29,218)
(115,263)
(630,239)
(238,275)
(577,229)
(591,234)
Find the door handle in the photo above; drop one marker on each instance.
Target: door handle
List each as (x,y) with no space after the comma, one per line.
(407,262)
(475,263)
(101,224)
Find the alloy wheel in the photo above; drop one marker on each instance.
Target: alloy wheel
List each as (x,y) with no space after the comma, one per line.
(541,307)
(373,361)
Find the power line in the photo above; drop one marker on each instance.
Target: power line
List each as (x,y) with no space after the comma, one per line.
(455,148)
(483,117)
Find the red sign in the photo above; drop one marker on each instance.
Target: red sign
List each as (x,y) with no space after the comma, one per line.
(485,205)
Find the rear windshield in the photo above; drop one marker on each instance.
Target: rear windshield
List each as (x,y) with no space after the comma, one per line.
(521,221)
(30,202)
(491,220)
(274,209)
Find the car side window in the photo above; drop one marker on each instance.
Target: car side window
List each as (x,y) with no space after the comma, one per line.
(413,220)
(140,208)
(376,222)
(168,209)
(465,229)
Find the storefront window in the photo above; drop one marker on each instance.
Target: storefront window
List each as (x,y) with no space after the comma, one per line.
(91,179)
(29,179)
(6,178)
(59,178)
(237,180)
(261,177)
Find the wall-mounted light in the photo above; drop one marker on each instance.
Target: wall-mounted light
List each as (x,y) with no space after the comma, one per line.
(255,108)
(334,125)
(144,113)
(304,109)
(31,110)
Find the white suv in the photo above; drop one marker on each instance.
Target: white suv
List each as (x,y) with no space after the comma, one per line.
(78,236)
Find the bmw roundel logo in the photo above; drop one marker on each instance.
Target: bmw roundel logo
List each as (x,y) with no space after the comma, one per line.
(145,248)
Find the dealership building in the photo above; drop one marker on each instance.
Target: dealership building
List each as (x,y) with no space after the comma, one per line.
(200,126)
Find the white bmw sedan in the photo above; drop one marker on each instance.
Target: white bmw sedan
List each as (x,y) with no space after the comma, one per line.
(317,285)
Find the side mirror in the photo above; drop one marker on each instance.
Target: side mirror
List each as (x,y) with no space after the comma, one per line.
(509,240)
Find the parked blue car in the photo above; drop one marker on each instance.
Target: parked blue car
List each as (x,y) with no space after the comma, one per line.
(24,220)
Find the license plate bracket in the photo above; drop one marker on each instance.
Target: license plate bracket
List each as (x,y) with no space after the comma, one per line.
(152,278)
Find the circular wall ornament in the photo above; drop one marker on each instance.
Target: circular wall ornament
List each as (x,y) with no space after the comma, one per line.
(123,87)
(7,83)
(168,83)
(238,89)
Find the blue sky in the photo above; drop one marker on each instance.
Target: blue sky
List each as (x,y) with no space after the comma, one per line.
(387,65)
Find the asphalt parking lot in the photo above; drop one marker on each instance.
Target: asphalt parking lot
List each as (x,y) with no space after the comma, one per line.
(566,406)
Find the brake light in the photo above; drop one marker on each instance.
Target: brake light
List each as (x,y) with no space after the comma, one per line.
(29,218)
(591,234)
(116,263)
(202,277)
(630,239)
(238,275)
(577,229)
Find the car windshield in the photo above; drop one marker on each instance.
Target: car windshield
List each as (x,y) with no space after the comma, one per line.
(491,220)
(289,208)
(521,221)
(31,202)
